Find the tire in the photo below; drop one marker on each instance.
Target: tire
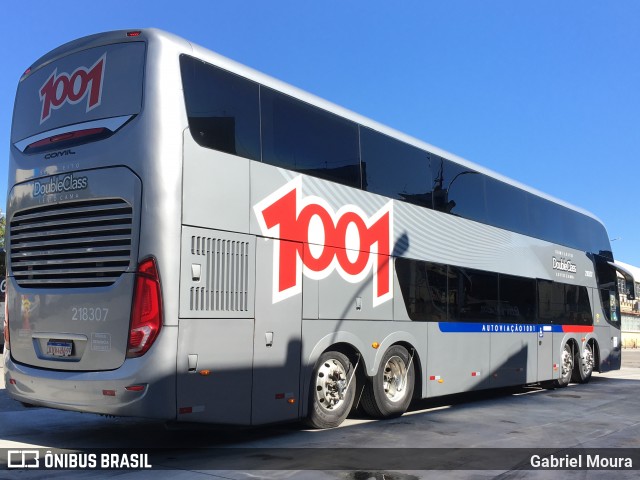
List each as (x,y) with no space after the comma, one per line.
(566,366)
(331,391)
(389,393)
(583,365)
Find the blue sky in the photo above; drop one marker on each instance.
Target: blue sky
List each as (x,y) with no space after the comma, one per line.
(545,92)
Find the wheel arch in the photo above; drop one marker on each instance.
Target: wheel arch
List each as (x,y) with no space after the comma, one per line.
(596,353)
(408,341)
(417,365)
(575,348)
(343,342)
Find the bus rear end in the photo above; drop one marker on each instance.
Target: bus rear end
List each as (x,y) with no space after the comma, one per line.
(85,317)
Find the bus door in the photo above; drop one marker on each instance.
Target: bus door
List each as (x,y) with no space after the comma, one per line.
(607,329)
(551,308)
(546,341)
(608,319)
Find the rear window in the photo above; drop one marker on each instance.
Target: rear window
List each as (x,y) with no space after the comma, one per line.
(93,84)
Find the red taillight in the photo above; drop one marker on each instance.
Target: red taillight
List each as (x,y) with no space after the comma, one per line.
(135,33)
(5,325)
(146,313)
(77,136)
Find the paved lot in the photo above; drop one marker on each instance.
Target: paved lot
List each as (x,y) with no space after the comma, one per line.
(602,414)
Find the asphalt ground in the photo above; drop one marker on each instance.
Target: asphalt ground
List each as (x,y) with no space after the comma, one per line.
(453,432)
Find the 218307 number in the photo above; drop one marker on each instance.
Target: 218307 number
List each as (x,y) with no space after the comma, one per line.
(89,314)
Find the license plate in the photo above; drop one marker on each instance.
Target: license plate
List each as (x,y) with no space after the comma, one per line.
(59,348)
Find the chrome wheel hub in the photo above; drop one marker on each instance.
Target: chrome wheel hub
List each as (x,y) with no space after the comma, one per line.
(331,383)
(395,379)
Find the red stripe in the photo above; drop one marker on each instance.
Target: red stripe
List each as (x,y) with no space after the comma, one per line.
(577,328)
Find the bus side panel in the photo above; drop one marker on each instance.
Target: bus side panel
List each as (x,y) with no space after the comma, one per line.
(514,358)
(457,361)
(215,340)
(223,347)
(216,188)
(277,346)
(346,300)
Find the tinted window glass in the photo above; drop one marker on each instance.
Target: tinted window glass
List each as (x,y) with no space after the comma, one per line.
(300,137)
(424,289)
(578,306)
(506,206)
(517,299)
(551,301)
(601,243)
(458,190)
(608,287)
(546,219)
(394,169)
(473,295)
(222,108)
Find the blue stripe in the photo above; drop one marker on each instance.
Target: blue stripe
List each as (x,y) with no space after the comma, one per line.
(467,327)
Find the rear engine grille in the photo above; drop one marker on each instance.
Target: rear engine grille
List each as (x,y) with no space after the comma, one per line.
(71,245)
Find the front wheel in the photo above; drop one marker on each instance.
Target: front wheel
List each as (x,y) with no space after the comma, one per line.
(332,391)
(583,365)
(389,392)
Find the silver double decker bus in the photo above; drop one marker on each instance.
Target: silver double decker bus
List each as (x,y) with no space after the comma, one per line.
(191,240)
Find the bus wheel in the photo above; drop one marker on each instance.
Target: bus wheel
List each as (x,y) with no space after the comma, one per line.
(390,391)
(332,391)
(583,365)
(566,363)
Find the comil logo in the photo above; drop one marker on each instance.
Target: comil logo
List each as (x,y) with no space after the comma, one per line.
(61,88)
(323,241)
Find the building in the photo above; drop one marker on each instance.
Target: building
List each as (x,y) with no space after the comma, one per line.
(630,307)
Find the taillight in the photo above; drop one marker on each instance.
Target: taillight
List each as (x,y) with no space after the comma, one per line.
(5,325)
(146,312)
(67,139)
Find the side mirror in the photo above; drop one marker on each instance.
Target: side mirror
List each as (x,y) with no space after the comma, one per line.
(631,289)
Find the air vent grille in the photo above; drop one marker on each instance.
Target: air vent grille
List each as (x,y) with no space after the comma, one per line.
(225,272)
(71,245)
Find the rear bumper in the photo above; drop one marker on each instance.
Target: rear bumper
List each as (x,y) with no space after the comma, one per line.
(101,392)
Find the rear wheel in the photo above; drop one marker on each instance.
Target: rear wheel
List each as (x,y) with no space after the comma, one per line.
(389,392)
(332,391)
(583,365)
(566,366)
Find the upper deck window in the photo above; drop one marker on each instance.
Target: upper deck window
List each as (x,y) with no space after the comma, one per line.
(458,190)
(395,169)
(304,138)
(235,115)
(507,206)
(223,108)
